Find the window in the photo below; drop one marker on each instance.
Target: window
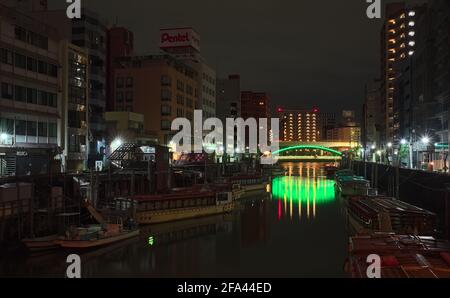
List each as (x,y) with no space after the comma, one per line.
(165,125)
(20,94)
(166,80)
(119,97)
(180,99)
(20,33)
(21,127)
(42,129)
(52,100)
(53,70)
(31,128)
(119,82)
(42,98)
(42,67)
(166,110)
(129,96)
(52,133)
(31,64)
(129,82)
(180,86)
(31,96)
(6,56)
(7,125)
(166,95)
(7,91)
(20,61)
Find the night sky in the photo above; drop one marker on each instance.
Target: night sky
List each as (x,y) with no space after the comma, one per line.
(304,53)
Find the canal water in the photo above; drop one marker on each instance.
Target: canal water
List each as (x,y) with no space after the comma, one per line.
(296,229)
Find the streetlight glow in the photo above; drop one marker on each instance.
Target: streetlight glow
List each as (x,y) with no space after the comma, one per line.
(425,140)
(116,144)
(3,136)
(389,145)
(403,142)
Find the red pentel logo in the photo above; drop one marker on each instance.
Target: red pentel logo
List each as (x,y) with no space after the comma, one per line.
(180,37)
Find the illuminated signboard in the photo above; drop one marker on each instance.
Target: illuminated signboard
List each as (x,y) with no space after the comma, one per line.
(179,38)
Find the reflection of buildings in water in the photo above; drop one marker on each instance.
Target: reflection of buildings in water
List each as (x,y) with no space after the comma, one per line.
(303,188)
(254,225)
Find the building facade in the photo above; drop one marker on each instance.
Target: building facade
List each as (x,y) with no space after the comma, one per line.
(120,43)
(371,116)
(393,49)
(30,101)
(75,107)
(162,88)
(299,125)
(228,93)
(255,105)
(90,32)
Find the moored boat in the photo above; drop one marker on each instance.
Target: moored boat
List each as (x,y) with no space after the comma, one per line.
(348,186)
(95,236)
(184,204)
(384,214)
(41,244)
(402,256)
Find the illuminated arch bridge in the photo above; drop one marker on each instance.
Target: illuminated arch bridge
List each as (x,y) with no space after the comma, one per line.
(325,147)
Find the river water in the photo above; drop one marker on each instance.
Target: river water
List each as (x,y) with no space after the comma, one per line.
(296,229)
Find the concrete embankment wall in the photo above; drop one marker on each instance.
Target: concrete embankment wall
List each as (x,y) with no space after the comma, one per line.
(427,190)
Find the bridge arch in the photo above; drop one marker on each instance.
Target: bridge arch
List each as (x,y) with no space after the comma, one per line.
(313,147)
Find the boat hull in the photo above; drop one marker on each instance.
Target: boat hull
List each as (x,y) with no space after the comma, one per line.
(82,244)
(41,244)
(153,217)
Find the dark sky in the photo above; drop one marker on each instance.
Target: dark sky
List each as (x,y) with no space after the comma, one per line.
(303,52)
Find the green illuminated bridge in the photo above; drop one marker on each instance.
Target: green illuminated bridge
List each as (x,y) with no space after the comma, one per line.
(320,151)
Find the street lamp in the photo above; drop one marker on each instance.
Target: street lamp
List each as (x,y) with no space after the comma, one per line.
(389,145)
(403,141)
(3,137)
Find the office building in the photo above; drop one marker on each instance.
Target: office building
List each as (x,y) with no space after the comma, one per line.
(160,87)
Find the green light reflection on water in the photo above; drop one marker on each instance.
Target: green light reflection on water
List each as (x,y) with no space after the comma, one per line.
(302,189)
(301,196)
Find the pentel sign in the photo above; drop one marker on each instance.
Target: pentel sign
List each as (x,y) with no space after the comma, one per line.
(179,38)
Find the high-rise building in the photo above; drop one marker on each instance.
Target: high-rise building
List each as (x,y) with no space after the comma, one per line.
(90,32)
(75,103)
(208,91)
(371,115)
(184,44)
(228,93)
(393,49)
(30,101)
(120,44)
(298,125)
(255,105)
(161,88)
(327,121)
(423,83)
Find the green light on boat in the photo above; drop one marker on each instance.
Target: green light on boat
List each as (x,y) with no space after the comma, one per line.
(151,241)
